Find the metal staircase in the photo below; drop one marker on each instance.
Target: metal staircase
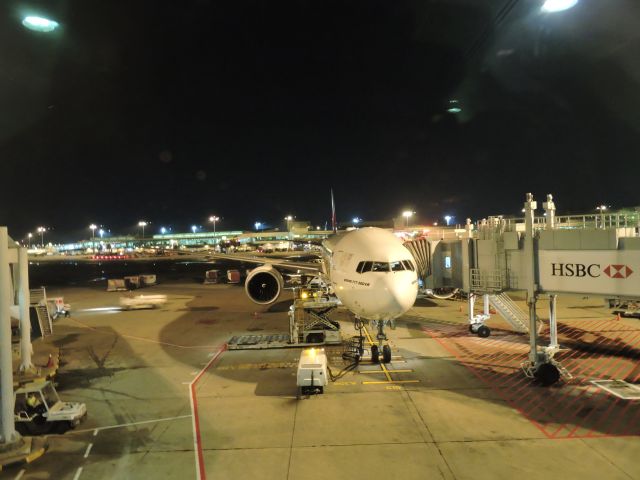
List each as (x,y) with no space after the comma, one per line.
(38,301)
(44,319)
(510,311)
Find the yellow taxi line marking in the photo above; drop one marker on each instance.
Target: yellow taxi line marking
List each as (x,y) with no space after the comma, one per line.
(390,371)
(384,369)
(385,382)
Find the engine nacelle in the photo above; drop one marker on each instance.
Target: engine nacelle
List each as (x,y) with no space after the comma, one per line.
(264,285)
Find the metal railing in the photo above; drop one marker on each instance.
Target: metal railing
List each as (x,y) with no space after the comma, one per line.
(488,280)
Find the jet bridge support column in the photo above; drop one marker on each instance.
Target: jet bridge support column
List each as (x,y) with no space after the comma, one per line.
(541,365)
(6,362)
(23,302)
(529,211)
(485,306)
(553,324)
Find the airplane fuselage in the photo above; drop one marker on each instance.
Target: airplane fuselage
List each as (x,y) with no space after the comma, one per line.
(372,273)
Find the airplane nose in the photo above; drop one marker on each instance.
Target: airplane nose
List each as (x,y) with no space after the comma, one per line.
(404,293)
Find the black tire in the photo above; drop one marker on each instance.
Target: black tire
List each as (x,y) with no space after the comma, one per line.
(484,331)
(386,354)
(375,354)
(22,429)
(547,374)
(37,427)
(63,427)
(471,329)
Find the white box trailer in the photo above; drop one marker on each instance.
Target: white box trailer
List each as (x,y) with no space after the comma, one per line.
(312,371)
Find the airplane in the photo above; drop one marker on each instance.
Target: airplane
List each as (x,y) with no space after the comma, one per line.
(368,270)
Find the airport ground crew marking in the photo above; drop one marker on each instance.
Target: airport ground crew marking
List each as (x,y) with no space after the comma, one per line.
(121,425)
(142,339)
(384,370)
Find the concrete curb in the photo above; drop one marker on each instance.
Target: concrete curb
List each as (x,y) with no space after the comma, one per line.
(37,449)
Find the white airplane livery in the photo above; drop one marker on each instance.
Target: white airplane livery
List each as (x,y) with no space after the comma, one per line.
(369,270)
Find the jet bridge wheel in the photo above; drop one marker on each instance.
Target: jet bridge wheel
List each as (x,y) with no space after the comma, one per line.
(375,354)
(386,354)
(483,331)
(547,374)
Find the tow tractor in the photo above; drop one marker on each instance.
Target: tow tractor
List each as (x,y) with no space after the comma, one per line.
(39,410)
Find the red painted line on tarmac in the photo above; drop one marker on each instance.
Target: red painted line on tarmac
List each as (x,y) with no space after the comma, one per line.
(475,372)
(196,419)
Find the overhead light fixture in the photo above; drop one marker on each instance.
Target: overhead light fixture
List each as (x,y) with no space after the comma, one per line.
(551,6)
(454,107)
(39,24)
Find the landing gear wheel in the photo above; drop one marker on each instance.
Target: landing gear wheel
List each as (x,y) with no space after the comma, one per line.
(386,353)
(375,354)
(547,374)
(483,331)
(471,329)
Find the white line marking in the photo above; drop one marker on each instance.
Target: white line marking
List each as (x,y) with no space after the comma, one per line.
(78,473)
(95,432)
(132,424)
(86,453)
(142,339)
(19,476)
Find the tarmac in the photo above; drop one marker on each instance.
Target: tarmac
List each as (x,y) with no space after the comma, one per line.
(165,399)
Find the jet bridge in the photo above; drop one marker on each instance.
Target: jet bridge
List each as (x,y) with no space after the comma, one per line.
(594,255)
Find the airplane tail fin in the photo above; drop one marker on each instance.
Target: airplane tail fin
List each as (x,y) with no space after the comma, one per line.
(334,223)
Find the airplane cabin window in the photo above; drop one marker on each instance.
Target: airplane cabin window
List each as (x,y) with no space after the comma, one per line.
(359,267)
(380,267)
(397,266)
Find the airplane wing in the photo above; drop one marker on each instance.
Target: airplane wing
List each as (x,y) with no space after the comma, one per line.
(310,267)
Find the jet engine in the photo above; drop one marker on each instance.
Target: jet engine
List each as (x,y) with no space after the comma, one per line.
(264,285)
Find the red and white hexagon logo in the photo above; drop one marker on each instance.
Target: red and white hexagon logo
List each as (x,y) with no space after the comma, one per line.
(617,271)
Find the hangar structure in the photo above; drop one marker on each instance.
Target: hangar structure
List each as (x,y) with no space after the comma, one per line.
(596,255)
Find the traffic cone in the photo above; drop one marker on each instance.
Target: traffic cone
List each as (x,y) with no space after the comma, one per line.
(50,362)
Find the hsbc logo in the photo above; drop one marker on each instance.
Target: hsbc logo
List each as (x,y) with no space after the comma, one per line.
(589,270)
(617,271)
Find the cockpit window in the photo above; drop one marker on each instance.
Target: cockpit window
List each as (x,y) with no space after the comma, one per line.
(408,265)
(380,267)
(364,267)
(397,266)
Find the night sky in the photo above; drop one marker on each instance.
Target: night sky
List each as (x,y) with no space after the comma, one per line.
(171,111)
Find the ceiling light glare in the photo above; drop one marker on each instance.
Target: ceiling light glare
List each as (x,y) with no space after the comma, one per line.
(39,24)
(551,6)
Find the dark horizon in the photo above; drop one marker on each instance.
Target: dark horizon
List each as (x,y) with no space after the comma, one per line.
(168,111)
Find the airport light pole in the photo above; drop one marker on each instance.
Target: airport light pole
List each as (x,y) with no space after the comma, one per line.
(356,221)
(41,231)
(406,214)
(257,225)
(289,218)
(93,227)
(213,219)
(601,209)
(194,228)
(29,235)
(447,218)
(142,224)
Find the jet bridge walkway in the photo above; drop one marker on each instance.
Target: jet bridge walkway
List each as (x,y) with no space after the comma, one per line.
(589,255)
